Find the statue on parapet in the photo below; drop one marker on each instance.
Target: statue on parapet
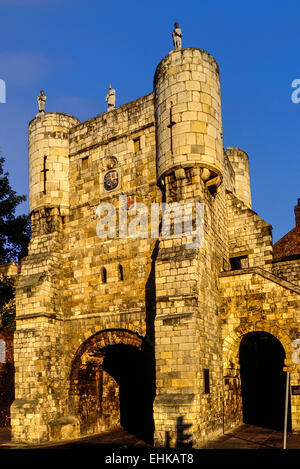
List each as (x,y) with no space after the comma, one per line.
(177,35)
(42,101)
(111,98)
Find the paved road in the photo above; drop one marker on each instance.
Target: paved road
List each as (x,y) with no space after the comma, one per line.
(250,437)
(243,437)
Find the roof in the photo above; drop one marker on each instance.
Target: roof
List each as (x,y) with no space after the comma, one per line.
(289,244)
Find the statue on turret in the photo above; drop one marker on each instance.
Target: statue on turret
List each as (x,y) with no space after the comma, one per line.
(42,102)
(177,35)
(111,98)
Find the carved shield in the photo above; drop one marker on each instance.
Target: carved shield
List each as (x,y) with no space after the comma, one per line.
(111,180)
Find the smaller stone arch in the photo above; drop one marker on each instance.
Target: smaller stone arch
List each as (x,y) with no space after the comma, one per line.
(263,380)
(232,342)
(233,406)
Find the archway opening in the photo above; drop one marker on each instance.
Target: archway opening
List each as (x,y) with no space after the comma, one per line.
(263,381)
(114,385)
(132,370)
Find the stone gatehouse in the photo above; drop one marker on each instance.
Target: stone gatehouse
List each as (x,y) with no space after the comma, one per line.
(143,332)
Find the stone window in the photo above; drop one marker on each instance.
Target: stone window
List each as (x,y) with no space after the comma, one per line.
(240,262)
(2,351)
(206,381)
(137,144)
(121,273)
(85,163)
(104,275)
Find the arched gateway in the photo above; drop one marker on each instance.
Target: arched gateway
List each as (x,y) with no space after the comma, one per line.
(263,380)
(112,384)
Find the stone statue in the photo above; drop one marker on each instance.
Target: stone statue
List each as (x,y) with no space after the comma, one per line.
(177,35)
(111,98)
(42,101)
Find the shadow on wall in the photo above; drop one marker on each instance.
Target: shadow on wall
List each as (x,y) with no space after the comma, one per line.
(182,438)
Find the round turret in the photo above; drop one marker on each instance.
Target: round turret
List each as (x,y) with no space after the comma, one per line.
(49,161)
(188,114)
(240,162)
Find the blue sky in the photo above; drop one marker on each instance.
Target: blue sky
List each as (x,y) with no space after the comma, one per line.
(74,48)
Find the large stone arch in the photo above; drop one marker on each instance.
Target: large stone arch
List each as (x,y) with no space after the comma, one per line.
(105,338)
(85,330)
(101,393)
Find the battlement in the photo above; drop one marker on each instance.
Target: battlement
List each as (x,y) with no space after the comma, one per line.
(108,126)
(239,161)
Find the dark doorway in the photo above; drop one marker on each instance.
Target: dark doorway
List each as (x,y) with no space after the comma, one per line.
(133,370)
(263,381)
(113,385)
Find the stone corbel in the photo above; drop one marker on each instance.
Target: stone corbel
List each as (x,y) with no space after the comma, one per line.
(211,180)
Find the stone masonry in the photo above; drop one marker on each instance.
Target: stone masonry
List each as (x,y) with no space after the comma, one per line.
(143,332)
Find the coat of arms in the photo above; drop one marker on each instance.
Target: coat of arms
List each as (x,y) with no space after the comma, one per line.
(111,180)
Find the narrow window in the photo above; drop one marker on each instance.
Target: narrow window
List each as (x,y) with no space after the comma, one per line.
(206,381)
(85,162)
(2,351)
(137,144)
(104,275)
(121,274)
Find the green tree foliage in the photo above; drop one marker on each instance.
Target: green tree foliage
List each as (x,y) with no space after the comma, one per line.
(14,230)
(14,239)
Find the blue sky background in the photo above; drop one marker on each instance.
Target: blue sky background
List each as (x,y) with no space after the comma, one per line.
(74,48)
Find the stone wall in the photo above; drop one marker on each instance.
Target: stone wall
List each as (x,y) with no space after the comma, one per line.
(288,270)
(248,234)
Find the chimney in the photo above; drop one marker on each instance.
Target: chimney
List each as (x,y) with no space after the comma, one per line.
(297,214)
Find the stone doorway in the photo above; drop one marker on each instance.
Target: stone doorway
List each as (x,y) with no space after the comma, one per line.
(263,381)
(113,385)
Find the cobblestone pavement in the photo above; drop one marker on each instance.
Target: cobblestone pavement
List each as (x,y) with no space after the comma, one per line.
(242,437)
